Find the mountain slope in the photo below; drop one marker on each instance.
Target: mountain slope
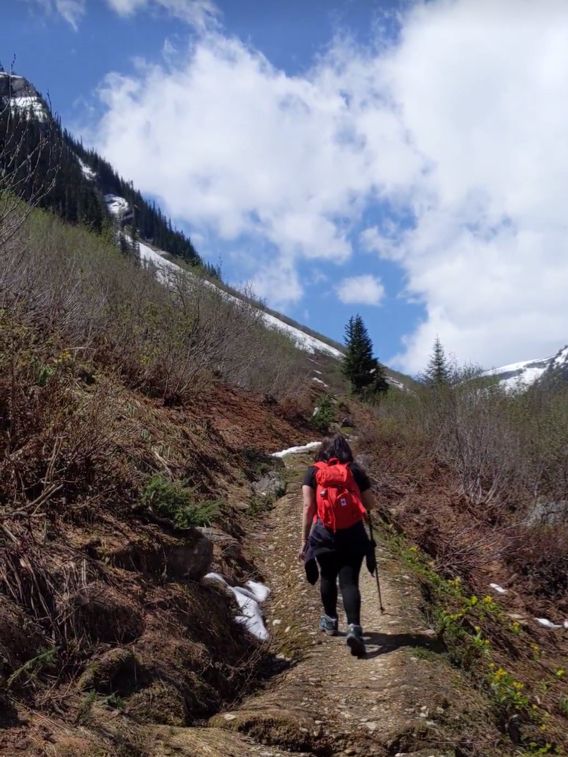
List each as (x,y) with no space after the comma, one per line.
(522,375)
(74,180)
(84,188)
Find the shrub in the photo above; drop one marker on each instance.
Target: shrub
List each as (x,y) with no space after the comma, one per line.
(169,341)
(539,553)
(323,415)
(176,502)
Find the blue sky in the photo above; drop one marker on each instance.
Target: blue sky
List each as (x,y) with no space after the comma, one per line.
(338,156)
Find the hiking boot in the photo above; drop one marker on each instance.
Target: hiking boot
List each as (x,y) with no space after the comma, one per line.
(328,625)
(355,641)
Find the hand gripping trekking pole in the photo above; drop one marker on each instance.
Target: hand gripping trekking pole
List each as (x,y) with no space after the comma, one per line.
(376,564)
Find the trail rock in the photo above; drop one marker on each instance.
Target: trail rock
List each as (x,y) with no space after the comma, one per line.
(272,485)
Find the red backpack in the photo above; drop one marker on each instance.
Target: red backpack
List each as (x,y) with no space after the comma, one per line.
(338,497)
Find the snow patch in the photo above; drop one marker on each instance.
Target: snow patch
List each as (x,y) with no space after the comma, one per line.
(259,590)
(319,381)
(528,377)
(88,172)
(560,359)
(249,599)
(117,205)
(519,376)
(395,382)
(304,341)
(29,104)
(548,623)
(498,589)
(296,450)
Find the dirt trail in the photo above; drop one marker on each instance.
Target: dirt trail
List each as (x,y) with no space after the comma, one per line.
(398,700)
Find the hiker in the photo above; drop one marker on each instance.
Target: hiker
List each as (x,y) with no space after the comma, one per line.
(337,493)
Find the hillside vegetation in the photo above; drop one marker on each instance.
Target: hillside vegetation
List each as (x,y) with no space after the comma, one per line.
(119,435)
(473,484)
(136,420)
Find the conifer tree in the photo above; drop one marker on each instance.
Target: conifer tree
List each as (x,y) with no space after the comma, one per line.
(363,371)
(438,372)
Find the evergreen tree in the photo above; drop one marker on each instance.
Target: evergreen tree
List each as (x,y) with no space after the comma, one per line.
(365,373)
(438,372)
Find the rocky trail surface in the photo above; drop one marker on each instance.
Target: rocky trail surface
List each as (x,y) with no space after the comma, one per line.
(402,699)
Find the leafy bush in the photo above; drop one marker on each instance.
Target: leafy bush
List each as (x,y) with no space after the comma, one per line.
(173,500)
(323,415)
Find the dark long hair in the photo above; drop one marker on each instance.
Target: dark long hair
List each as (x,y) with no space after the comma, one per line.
(335,446)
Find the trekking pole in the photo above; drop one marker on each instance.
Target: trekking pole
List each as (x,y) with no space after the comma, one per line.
(376,564)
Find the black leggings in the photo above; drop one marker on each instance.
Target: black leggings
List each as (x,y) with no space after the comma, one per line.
(347,567)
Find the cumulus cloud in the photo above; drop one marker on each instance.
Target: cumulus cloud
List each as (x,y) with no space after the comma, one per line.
(456,128)
(482,88)
(361,290)
(227,141)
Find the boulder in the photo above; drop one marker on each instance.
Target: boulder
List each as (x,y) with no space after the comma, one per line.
(191,559)
(272,486)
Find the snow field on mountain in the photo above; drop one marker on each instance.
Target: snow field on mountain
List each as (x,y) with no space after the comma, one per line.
(118,206)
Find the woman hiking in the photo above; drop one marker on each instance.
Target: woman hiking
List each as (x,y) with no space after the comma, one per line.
(336,493)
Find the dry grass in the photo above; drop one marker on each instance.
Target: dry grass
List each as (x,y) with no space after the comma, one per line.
(105,309)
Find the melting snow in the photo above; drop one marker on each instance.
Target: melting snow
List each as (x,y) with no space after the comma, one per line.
(396,382)
(547,623)
(29,104)
(498,589)
(150,255)
(296,450)
(116,205)
(91,175)
(519,375)
(561,358)
(303,340)
(260,591)
(248,600)
(319,381)
(524,379)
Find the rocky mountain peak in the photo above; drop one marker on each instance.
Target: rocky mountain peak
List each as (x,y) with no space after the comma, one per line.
(22,95)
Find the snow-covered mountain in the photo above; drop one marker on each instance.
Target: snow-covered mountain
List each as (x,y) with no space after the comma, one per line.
(22,95)
(519,376)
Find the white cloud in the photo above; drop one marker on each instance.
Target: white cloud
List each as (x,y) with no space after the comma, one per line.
(483,92)
(229,142)
(71,10)
(276,284)
(361,290)
(460,125)
(198,13)
(201,14)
